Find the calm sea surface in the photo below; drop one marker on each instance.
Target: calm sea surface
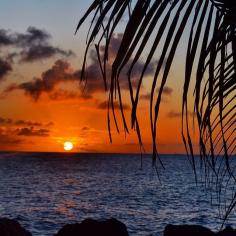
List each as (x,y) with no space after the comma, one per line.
(45,191)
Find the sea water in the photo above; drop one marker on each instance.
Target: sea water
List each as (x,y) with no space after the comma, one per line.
(45,191)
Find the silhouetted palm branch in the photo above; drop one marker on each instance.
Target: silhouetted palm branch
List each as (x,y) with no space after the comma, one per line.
(211,45)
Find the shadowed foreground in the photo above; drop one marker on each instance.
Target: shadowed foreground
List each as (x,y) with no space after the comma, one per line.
(111,227)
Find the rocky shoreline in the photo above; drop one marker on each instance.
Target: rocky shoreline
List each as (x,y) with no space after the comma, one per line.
(111,227)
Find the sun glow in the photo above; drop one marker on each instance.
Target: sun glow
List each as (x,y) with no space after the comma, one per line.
(68,146)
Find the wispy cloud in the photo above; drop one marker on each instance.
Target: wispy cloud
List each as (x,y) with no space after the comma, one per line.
(62,95)
(12,122)
(104,105)
(4,121)
(176,114)
(33,132)
(167,91)
(5,68)
(11,130)
(9,140)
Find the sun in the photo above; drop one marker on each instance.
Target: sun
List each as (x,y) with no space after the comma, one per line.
(68,146)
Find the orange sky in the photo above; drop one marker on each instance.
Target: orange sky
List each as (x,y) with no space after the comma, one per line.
(43,104)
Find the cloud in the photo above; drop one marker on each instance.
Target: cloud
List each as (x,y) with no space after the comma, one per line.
(85,128)
(9,140)
(5,38)
(146,96)
(32,132)
(28,123)
(5,68)
(33,36)
(33,45)
(104,105)
(60,72)
(62,94)
(37,52)
(167,91)
(9,121)
(10,134)
(175,114)
(93,73)
(49,124)
(4,121)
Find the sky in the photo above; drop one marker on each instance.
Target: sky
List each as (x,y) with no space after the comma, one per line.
(43,104)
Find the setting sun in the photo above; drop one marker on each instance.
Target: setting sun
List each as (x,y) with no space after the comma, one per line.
(68,146)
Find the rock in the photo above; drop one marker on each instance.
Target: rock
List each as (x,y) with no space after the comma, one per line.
(90,227)
(187,230)
(228,231)
(12,228)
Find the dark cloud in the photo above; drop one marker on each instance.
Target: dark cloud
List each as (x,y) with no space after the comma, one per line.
(93,73)
(36,46)
(85,128)
(5,68)
(9,121)
(62,94)
(175,114)
(10,88)
(104,105)
(146,96)
(60,72)
(5,38)
(33,45)
(27,123)
(49,124)
(114,45)
(9,140)
(33,36)
(37,52)
(32,132)
(4,121)
(167,91)
(49,79)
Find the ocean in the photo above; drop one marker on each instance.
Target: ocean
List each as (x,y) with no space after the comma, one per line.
(45,191)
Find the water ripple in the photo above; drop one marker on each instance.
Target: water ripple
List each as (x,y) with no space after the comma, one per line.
(45,191)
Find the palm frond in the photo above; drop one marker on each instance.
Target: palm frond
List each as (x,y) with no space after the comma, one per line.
(211,48)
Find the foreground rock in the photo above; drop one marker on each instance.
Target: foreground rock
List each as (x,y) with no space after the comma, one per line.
(12,228)
(196,230)
(91,227)
(228,231)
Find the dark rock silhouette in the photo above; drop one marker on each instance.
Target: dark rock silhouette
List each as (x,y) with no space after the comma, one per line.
(196,230)
(12,228)
(228,231)
(89,227)
(187,230)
